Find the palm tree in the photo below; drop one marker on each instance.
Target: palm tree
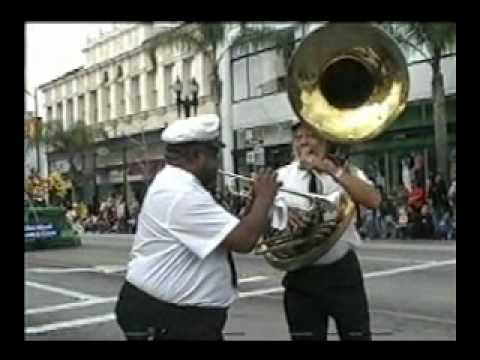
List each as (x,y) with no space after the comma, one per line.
(75,142)
(431,40)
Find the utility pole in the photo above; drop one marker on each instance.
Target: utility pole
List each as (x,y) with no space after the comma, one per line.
(125,175)
(37,130)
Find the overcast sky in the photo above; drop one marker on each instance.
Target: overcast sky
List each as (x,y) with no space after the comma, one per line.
(54,48)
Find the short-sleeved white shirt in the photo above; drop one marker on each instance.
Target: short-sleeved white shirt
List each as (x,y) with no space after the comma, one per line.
(295,178)
(176,255)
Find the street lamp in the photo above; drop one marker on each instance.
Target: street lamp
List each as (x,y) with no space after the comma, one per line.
(101,151)
(36,127)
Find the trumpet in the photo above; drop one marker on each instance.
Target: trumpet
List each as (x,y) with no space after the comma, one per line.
(327,201)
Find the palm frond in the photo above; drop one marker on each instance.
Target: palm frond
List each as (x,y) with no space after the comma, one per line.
(408,36)
(435,37)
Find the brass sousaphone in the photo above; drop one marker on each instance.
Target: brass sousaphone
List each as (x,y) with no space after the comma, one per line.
(349,82)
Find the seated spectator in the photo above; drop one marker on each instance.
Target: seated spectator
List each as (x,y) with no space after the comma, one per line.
(447,227)
(452,197)
(414,222)
(422,224)
(417,197)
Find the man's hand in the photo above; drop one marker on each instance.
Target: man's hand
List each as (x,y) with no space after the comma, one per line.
(310,160)
(265,186)
(295,221)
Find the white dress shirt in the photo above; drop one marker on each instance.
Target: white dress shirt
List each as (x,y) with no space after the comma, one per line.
(176,255)
(298,179)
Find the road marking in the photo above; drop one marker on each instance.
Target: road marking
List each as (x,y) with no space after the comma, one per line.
(400,270)
(414,247)
(65,292)
(35,330)
(110,269)
(416,316)
(68,306)
(104,269)
(111,316)
(97,300)
(366,276)
(260,292)
(388,259)
(252,279)
(58,271)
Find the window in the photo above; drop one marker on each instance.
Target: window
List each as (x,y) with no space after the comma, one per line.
(152,89)
(60,111)
(93,107)
(240,81)
(49,113)
(69,113)
(105,77)
(120,98)
(264,69)
(81,108)
(258,74)
(168,79)
(135,86)
(119,72)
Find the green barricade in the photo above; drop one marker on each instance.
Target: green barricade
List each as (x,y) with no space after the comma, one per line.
(47,227)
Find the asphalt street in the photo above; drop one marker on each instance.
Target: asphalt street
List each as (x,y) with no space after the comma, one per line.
(70,293)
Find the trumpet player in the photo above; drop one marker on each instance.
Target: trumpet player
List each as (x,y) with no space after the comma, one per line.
(181,278)
(333,285)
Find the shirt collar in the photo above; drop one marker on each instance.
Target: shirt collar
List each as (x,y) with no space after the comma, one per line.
(182,174)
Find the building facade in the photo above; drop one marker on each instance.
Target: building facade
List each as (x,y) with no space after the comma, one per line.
(261,113)
(123,91)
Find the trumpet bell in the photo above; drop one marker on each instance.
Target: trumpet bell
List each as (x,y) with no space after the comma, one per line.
(348,81)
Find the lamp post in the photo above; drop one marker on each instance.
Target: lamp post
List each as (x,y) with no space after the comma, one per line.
(101,151)
(125,174)
(36,126)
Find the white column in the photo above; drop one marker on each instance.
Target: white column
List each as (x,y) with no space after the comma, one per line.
(226,113)
(143,85)
(128,94)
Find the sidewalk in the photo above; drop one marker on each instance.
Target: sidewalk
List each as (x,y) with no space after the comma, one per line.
(440,245)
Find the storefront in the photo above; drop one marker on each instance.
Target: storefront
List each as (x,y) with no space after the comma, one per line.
(142,156)
(412,135)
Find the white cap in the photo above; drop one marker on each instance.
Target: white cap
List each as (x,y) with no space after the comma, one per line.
(200,128)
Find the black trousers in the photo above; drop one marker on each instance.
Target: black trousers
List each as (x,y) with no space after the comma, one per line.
(315,293)
(143,317)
